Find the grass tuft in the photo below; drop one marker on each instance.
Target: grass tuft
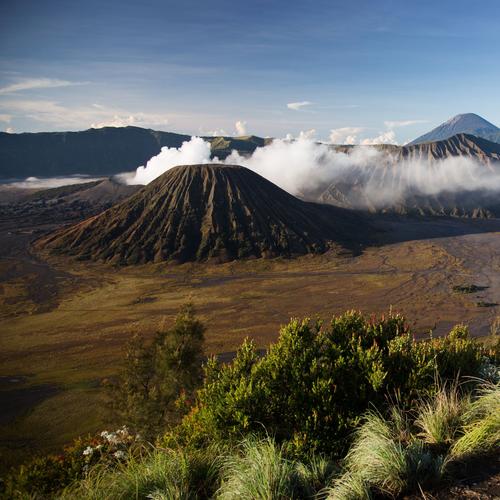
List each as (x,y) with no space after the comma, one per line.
(350,486)
(381,461)
(260,471)
(441,417)
(316,474)
(162,474)
(481,432)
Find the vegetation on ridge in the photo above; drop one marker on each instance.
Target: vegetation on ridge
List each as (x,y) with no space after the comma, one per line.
(280,425)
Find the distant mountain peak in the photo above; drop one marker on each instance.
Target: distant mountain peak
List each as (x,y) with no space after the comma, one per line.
(470,119)
(465,123)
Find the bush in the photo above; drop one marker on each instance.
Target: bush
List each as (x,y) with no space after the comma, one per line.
(309,392)
(316,381)
(158,379)
(389,456)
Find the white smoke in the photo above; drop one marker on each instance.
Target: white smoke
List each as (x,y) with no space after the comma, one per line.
(303,166)
(386,182)
(194,152)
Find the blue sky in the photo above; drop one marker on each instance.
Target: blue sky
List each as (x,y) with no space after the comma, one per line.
(386,70)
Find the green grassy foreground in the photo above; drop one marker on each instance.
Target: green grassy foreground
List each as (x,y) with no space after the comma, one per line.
(350,409)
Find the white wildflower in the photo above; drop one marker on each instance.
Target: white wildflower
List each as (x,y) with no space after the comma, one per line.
(112,438)
(119,454)
(88,451)
(123,431)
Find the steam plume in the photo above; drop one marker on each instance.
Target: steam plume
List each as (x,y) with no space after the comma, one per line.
(303,167)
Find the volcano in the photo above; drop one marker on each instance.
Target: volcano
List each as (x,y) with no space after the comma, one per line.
(203,212)
(467,123)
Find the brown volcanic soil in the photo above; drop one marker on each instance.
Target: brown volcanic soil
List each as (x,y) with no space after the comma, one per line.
(199,212)
(476,480)
(70,334)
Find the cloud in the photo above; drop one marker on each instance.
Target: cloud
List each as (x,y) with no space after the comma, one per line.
(220,132)
(138,119)
(307,134)
(36,109)
(94,116)
(297,106)
(115,121)
(37,83)
(303,134)
(241,128)
(345,135)
(403,123)
(305,167)
(388,137)
(5,118)
(350,135)
(9,130)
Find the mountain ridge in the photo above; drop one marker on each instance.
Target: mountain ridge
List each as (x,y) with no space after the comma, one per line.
(98,152)
(350,191)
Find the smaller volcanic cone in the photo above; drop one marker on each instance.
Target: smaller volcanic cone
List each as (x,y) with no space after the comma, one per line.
(201,212)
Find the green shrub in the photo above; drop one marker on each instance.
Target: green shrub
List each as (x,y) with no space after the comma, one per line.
(310,391)
(159,378)
(316,381)
(414,365)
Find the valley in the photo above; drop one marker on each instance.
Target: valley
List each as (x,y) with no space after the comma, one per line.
(85,267)
(64,322)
